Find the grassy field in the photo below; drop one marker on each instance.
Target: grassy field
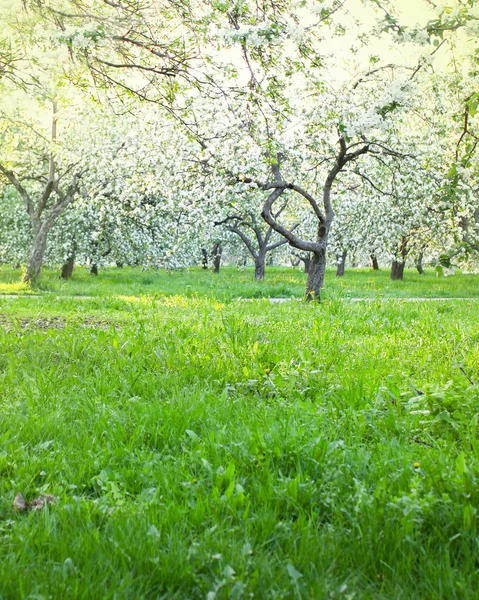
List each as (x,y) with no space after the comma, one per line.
(200,447)
(231,284)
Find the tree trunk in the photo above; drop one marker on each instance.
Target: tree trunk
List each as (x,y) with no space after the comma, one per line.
(397,270)
(374,263)
(217,252)
(119,264)
(37,253)
(259,267)
(204,258)
(307,262)
(67,269)
(341,264)
(94,269)
(315,282)
(419,265)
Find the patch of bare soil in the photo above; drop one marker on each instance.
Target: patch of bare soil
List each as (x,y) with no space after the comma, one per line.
(8,323)
(20,504)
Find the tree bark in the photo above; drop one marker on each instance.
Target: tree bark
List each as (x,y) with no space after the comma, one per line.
(217,252)
(397,267)
(374,263)
(419,265)
(397,270)
(259,263)
(307,262)
(317,270)
(37,253)
(67,269)
(341,264)
(94,269)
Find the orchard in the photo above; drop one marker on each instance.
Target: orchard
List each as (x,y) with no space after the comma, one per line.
(239,245)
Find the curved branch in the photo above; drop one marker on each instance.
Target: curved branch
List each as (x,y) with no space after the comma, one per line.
(281,242)
(309,198)
(374,186)
(288,234)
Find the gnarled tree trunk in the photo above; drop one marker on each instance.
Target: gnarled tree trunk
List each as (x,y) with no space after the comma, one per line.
(37,253)
(324,217)
(317,270)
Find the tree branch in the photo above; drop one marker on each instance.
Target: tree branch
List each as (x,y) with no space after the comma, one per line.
(290,237)
(20,189)
(247,242)
(281,242)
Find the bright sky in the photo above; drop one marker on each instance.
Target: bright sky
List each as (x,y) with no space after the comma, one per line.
(410,13)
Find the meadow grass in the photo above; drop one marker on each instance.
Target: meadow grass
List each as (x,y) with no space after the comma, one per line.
(208,448)
(230,283)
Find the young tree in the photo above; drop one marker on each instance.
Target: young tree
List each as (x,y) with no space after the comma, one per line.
(249,227)
(46,187)
(324,214)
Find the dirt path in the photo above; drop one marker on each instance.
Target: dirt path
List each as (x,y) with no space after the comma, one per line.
(387,299)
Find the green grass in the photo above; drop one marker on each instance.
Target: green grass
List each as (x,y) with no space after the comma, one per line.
(231,283)
(207,449)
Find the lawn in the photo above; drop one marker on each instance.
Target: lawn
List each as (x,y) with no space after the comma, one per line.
(202,447)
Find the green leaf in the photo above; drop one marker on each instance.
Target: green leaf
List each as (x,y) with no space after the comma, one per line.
(191,434)
(472,105)
(468,514)
(452,171)
(293,573)
(461,466)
